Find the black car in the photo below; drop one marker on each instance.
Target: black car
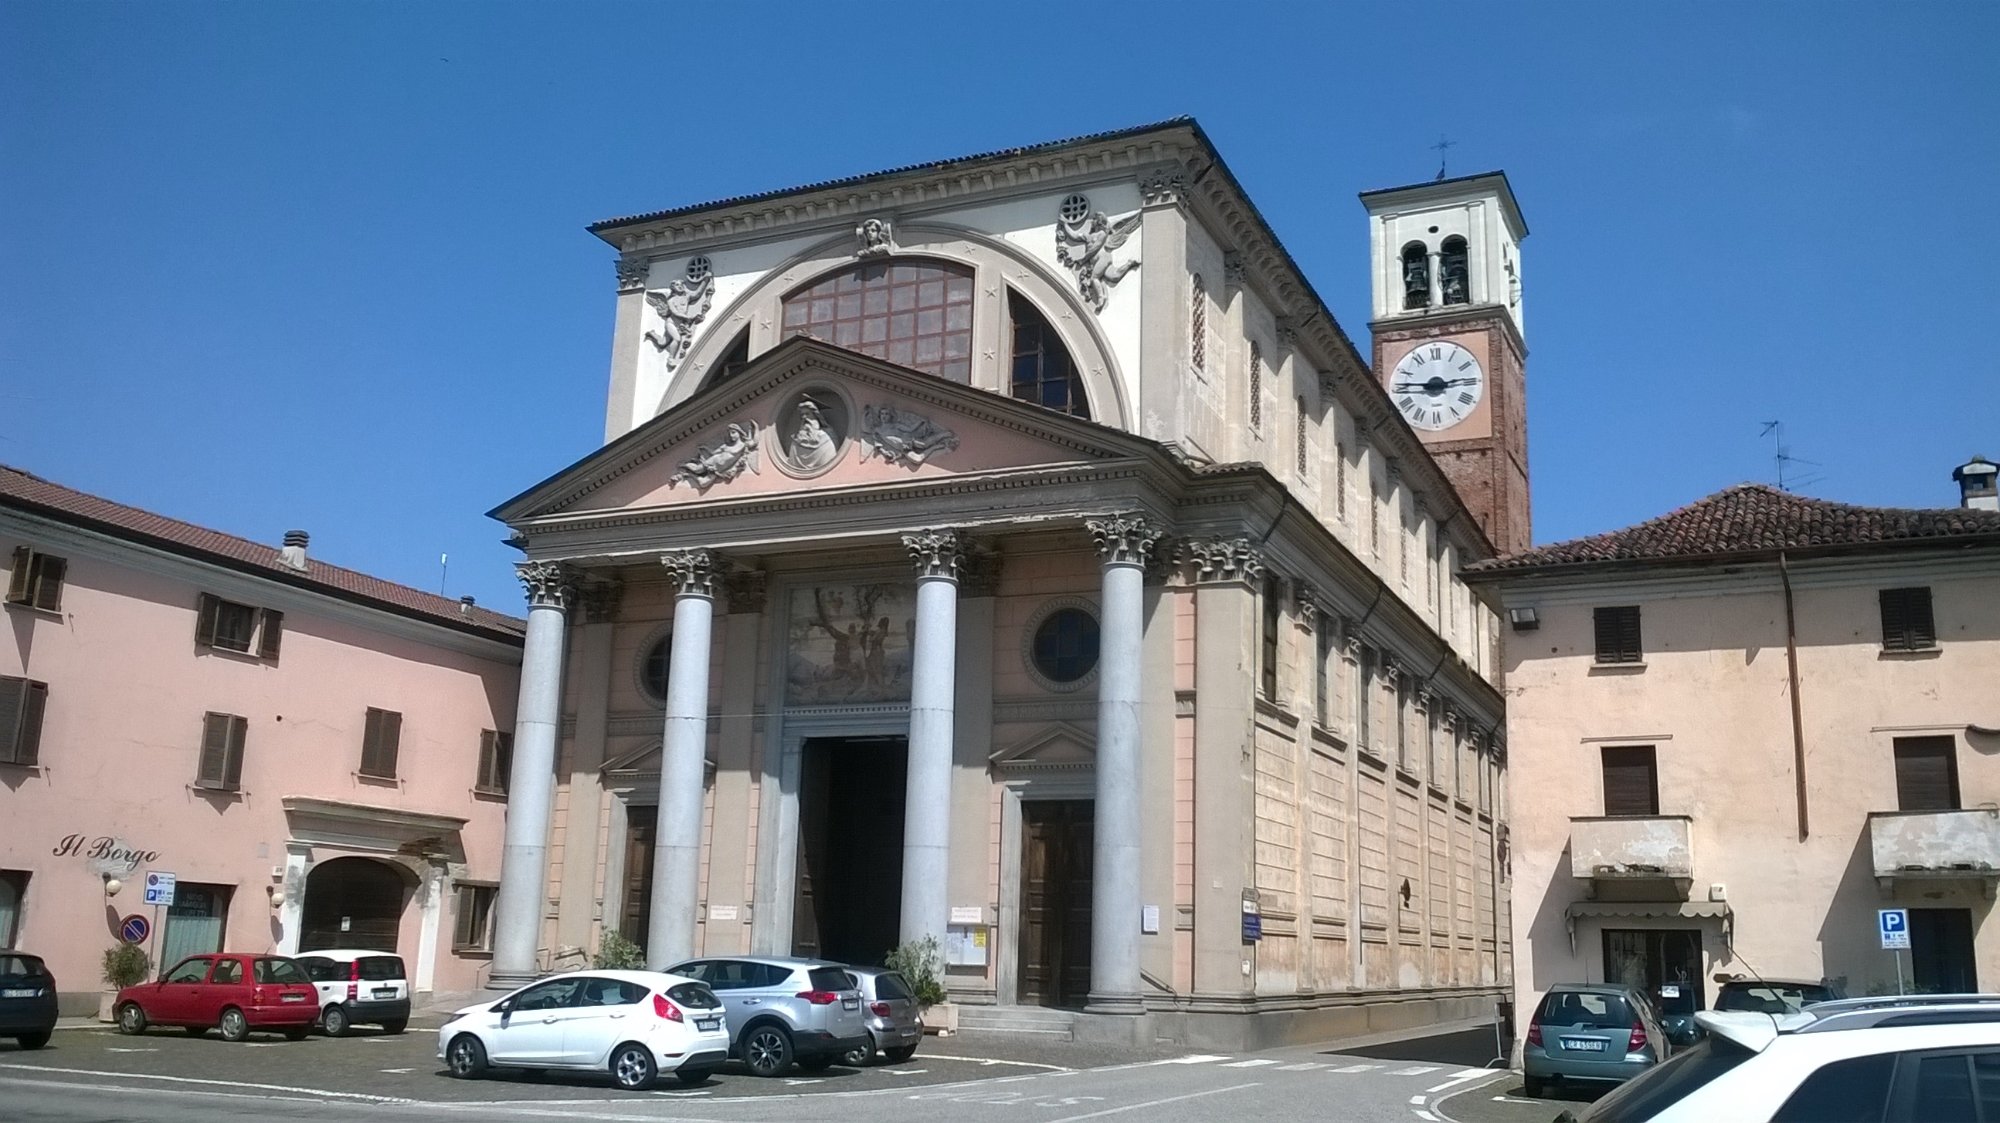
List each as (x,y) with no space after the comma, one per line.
(27,999)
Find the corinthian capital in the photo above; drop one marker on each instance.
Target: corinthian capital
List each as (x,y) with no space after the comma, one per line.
(1225,559)
(935,553)
(1123,539)
(632,273)
(548,584)
(695,573)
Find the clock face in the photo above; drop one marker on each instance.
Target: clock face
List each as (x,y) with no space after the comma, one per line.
(1437,385)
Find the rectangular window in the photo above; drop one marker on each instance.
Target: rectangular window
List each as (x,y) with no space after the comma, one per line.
(36,580)
(1364,700)
(1340,480)
(1268,654)
(1631,781)
(1434,746)
(381,737)
(1618,634)
(1906,619)
(473,930)
(1374,521)
(1323,684)
(229,626)
(496,761)
(221,764)
(1403,722)
(22,702)
(1256,387)
(1926,774)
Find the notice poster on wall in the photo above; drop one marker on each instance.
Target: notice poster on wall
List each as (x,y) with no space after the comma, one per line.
(965,945)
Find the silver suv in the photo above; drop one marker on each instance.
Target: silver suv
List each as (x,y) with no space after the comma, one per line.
(783,1010)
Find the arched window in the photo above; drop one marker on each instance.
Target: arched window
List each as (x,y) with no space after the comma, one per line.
(1416,276)
(733,361)
(1198,327)
(1042,370)
(914,312)
(1454,271)
(1256,386)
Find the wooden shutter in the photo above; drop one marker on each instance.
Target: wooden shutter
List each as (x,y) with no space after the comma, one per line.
(232,769)
(205,611)
(272,632)
(1631,781)
(1618,634)
(214,766)
(48,582)
(1907,624)
(17,578)
(496,758)
(1926,774)
(21,704)
(379,740)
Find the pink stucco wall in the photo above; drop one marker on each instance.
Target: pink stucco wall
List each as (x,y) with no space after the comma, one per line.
(128,687)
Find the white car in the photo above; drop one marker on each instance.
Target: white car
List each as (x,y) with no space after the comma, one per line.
(631,1025)
(358,987)
(1914,1059)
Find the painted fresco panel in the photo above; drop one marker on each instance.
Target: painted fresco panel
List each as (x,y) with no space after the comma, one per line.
(850,643)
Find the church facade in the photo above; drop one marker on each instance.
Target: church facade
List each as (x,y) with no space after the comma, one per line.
(1014,551)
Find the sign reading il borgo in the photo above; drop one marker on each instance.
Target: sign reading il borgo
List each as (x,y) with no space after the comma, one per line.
(1895,927)
(134,929)
(159,888)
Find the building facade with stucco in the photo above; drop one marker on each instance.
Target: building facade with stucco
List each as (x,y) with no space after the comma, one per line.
(1740,731)
(313,755)
(1014,551)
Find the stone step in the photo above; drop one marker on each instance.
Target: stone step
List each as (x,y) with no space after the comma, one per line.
(1037,1020)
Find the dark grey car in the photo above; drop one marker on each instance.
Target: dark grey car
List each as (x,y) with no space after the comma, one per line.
(783,1010)
(1591,1032)
(27,999)
(895,1023)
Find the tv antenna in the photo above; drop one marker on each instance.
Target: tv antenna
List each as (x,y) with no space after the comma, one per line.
(1788,477)
(1439,148)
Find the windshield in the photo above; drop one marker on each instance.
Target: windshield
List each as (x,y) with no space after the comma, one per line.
(1771,998)
(1585,1008)
(21,965)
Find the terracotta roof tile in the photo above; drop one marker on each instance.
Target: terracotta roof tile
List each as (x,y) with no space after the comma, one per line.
(27,491)
(1755,518)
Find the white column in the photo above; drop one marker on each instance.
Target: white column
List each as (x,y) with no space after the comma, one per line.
(430,902)
(933,677)
(524,859)
(1123,542)
(676,906)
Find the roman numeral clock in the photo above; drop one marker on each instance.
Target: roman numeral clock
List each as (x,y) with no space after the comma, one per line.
(1437,385)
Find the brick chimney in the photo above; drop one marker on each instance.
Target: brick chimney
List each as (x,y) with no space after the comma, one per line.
(1976,484)
(294,552)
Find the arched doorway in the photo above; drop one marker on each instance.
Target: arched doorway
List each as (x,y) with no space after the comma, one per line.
(355,903)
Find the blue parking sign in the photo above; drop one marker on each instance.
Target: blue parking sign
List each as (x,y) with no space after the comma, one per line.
(1895,928)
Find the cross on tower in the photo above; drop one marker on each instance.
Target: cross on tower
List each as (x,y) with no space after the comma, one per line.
(1440,147)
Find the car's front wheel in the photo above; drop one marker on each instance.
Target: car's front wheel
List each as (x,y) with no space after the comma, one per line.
(131,1020)
(632,1067)
(465,1057)
(234,1026)
(767,1049)
(334,1020)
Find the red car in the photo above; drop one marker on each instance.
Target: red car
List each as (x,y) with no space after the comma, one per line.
(233,992)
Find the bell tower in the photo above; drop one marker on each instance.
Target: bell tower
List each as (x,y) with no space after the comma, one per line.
(1450,345)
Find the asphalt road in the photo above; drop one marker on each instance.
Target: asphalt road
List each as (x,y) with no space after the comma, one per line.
(168,1077)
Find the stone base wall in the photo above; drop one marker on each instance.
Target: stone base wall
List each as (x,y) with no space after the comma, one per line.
(1267,1025)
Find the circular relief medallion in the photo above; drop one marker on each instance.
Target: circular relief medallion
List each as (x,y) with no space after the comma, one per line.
(812,431)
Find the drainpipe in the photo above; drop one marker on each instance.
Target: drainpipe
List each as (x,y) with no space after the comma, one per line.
(1798,717)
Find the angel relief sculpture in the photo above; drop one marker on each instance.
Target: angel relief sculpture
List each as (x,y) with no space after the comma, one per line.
(1084,243)
(726,459)
(902,437)
(681,308)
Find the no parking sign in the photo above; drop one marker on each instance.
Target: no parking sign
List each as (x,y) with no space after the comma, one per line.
(134,929)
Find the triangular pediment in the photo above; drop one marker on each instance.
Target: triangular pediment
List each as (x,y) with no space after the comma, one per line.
(1058,747)
(809,416)
(642,762)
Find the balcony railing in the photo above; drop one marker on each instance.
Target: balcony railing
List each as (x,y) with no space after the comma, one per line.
(1643,851)
(1929,845)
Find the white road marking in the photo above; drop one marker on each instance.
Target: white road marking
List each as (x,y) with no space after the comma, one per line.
(1415,1070)
(116,1049)
(1250,1063)
(682,1095)
(100,1088)
(1417,1100)
(903,1071)
(1358,1068)
(1306,1067)
(363,1096)
(989,1061)
(399,1070)
(1468,1074)
(1425,1115)
(796,1083)
(1512,1100)
(1194,1059)
(264,1044)
(1154,1103)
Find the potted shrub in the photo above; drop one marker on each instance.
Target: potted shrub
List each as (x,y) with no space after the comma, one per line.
(922,965)
(124,965)
(616,953)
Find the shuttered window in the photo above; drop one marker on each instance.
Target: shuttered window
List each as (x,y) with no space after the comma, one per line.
(22,702)
(473,929)
(1926,774)
(36,580)
(1618,634)
(381,736)
(1631,780)
(1268,657)
(496,760)
(229,626)
(221,751)
(1906,619)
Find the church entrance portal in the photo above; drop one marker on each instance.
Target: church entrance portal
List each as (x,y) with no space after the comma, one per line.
(850,873)
(1056,839)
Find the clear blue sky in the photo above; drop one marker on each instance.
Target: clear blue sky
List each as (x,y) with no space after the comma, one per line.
(283,265)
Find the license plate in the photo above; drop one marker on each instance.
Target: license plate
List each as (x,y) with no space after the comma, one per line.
(1583,1044)
(851,1004)
(707,1023)
(385,992)
(19,993)
(291,998)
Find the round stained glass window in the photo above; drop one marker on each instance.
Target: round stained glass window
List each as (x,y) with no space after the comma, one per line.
(1066,645)
(653,672)
(1076,208)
